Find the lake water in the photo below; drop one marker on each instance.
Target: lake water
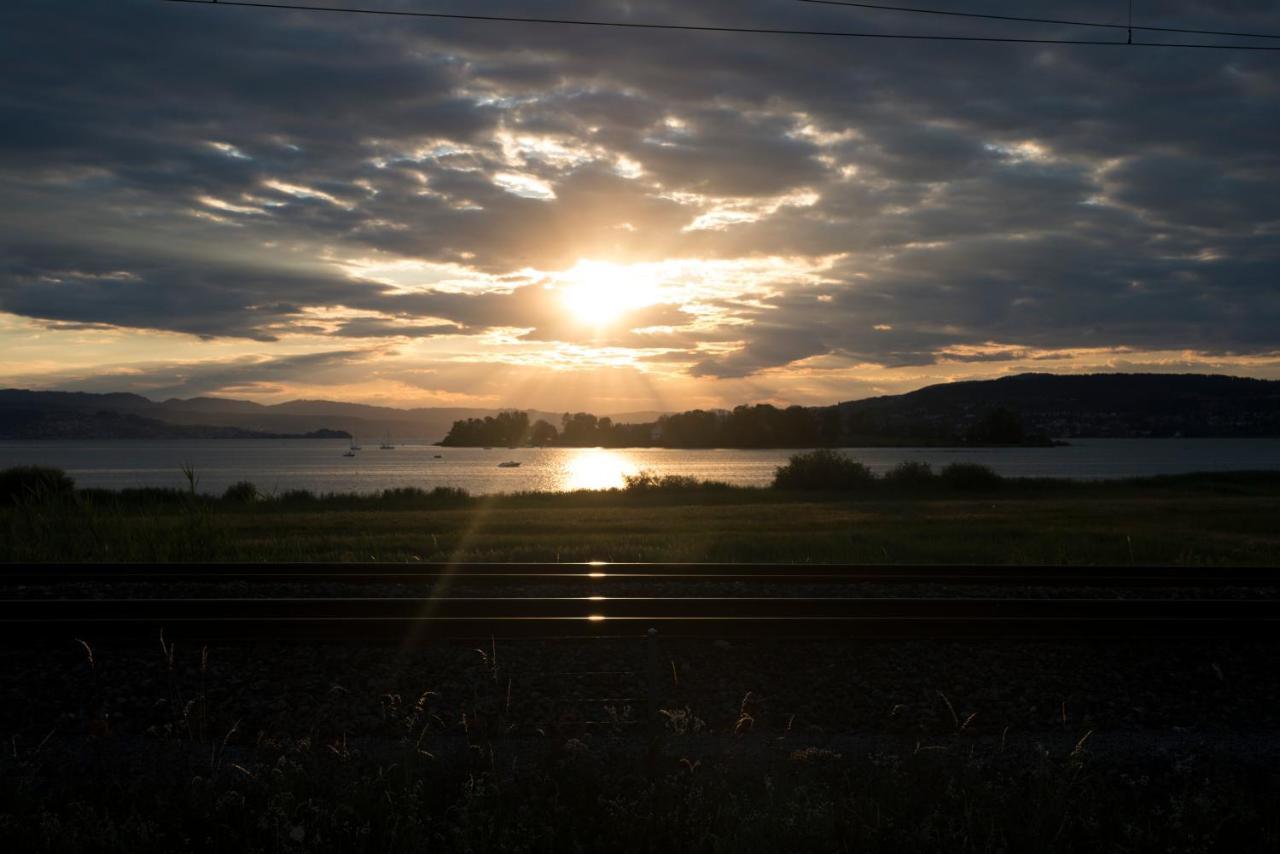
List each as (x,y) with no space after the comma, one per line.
(319,465)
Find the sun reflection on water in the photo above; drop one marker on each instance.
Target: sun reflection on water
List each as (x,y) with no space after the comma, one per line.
(596,468)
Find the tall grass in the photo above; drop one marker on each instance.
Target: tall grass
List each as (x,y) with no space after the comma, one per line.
(28,484)
(421,774)
(906,515)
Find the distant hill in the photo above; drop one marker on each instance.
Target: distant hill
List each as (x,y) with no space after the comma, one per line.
(1030,410)
(294,417)
(1022,409)
(19,423)
(1065,406)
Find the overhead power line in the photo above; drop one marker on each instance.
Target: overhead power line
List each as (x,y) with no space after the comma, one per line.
(702,28)
(879,7)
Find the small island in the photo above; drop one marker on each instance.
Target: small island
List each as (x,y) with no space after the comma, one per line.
(758,426)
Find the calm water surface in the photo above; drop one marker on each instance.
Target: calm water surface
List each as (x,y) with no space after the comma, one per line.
(319,465)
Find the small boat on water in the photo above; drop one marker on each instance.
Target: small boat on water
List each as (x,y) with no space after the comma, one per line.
(509,464)
(351,452)
(439,456)
(386,444)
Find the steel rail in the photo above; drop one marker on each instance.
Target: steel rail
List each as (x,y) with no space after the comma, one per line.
(410,619)
(601,573)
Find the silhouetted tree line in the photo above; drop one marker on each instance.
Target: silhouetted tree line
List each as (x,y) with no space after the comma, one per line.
(581,429)
(758,426)
(505,428)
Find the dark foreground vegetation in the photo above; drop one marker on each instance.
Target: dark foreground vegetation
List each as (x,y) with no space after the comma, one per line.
(761,747)
(163,745)
(822,507)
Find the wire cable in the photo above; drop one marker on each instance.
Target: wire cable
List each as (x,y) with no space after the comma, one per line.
(952,14)
(701,28)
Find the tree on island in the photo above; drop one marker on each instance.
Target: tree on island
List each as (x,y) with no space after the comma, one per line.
(747,426)
(543,434)
(505,428)
(581,429)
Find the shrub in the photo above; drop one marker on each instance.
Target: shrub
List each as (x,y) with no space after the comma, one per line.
(297,496)
(651,481)
(404,494)
(34,483)
(642,481)
(140,496)
(679,483)
(910,473)
(415,496)
(242,492)
(822,469)
(971,476)
(450,495)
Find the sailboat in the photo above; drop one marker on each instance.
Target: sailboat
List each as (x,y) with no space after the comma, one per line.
(351,452)
(386,444)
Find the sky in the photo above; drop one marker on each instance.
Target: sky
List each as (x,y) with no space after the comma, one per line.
(269,204)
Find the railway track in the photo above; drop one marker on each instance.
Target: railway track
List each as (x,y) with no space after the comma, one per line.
(603,573)
(393,618)
(416,617)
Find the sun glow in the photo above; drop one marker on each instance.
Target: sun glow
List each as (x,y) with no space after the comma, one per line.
(596,468)
(598,293)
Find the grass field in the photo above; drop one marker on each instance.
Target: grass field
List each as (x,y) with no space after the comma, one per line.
(1206,519)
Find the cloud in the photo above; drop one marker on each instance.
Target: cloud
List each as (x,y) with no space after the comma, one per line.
(223,173)
(247,375)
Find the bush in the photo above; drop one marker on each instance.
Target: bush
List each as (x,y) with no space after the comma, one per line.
(34,483)
(644,480)
(242,492)
(413,496)
(297,496)
(450,494)
(142,496)
(404,495)
(651,481)
(822,469)
(910,473)
(971,476)
(679,483)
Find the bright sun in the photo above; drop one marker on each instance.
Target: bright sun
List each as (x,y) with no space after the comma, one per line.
(598,293)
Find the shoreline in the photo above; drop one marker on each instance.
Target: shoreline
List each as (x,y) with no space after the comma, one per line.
(902,482)
(1174,520)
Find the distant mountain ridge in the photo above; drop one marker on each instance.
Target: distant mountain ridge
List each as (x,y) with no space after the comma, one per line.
(86,424)
(295,417)
(1057,405)
(1083,405)
(1028,410)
